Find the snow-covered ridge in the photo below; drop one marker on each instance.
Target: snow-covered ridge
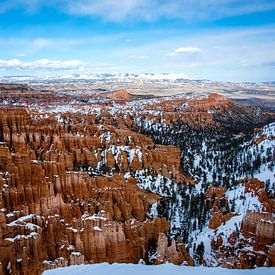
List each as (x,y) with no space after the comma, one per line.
(104,76)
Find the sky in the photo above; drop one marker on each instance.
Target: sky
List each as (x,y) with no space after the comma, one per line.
(225,40)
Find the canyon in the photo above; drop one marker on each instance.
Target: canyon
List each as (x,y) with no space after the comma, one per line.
(96,176)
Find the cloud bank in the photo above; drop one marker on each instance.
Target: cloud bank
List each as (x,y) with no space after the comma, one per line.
(42,64)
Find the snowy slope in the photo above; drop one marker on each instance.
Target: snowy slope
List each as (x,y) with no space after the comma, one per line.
(210,161)
(243,201)
(169,269)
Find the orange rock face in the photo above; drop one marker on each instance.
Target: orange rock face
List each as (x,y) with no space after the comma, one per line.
(257,187)
(58,207)
(215,192)
(175,253)
(271,255)
(218,218)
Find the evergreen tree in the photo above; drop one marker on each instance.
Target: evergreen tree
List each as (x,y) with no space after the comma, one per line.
(200,252)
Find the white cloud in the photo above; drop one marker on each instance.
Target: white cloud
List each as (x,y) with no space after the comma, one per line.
(41,64)
(199,10)
(123,10)
(183,50)
(112,10)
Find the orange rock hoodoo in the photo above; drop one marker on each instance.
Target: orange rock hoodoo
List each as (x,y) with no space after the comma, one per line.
(53,213)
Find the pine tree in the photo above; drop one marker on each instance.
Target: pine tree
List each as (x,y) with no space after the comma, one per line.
(200,252)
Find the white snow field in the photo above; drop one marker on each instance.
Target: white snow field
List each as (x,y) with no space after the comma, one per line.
(166,269)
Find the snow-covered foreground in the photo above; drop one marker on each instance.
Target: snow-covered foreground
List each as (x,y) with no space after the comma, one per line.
(169,269)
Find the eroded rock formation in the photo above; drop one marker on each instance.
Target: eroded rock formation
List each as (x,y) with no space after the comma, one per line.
(70,178)
(64,195)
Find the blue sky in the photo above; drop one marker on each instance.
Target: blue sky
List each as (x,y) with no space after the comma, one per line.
(232,40)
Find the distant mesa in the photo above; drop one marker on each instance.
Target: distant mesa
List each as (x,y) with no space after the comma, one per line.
(15,88)
(117,94)
(22,92)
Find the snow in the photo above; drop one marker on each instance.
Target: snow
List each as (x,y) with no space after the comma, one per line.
(266,170)
(243,202)
(96,228)
(20,220)
(103,77)
(31,226)
(20,237)
(153,210)
(159,184)
(169,269)
(94,217)
(164,76)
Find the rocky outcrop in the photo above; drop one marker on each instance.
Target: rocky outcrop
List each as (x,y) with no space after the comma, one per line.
(216,202)
(252,220)
(252,243)
(257,187)
(215,192)
(175,253)
(265,232)
(258,233)
(271,256)
(208,111)
(218,218)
